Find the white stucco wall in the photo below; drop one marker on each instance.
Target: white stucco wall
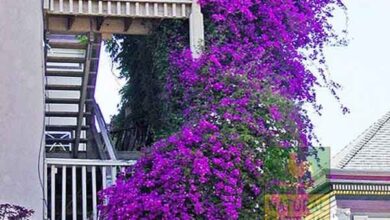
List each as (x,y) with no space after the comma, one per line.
(21,103)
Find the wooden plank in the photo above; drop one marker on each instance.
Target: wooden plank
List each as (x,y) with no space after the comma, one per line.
(84,191)
(65,101)
(51,5)
(104,132)
(64,127)
(90,6)
(67,87)
(104,177)
(64,114)
(99,143)
(61,5)
(71,6)
(64,155)
(54,59)
(67,45)
(88,162)
(99,23)
(83,95)
(80,6)
(65,141)
(63,201)
(64,73)
(69,22)
(94,199)
(109,7)
(53,192)
(113,174)
(127,23)
(74,194)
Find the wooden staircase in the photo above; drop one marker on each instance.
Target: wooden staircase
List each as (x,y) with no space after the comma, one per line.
(70,77)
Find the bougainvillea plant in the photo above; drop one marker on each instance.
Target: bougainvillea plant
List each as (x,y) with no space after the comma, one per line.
(14,212)
(245,133)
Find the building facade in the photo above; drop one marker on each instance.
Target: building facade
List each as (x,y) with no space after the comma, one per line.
(358,184)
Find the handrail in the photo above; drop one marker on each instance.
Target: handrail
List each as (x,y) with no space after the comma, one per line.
(83,179)
(104,132)
(88,162)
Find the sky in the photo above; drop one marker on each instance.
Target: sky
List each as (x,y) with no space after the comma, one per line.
(362,68)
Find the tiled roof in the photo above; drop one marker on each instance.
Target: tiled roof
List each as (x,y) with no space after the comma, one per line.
(370,151)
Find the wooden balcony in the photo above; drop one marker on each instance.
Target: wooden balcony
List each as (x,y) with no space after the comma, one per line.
(121,8)
(112,16)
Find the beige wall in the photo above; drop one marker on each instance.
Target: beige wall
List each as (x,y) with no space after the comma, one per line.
(21,103)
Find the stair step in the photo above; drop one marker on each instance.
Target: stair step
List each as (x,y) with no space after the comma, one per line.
(59,140)
(65,59)
(67,45)
(66,87)
(65,101)
(67,73)
(65,127)
(62,87)
(65,114)
(64,74)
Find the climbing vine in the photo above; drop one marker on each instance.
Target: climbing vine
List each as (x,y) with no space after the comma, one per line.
(145,107)
(242,134)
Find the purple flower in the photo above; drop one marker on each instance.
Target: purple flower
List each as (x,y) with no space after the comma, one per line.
(275,113)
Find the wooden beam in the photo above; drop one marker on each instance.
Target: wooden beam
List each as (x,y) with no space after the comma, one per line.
(66,87)
(58,59)
(65,114)
(83,95)
(99,23)
(69,22)
(126,24)
(65,101)
(64,127)
(64,73)
(67,45)
(99,143)
(64,141)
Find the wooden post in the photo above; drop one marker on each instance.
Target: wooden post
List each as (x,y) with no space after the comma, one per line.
(196,30)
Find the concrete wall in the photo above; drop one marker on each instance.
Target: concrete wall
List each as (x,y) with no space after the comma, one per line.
(21,103)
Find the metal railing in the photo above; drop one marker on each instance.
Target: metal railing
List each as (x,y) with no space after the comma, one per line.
(79,181)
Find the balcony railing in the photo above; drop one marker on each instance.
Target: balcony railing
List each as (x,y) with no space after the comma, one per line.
(71,186)
(121,8)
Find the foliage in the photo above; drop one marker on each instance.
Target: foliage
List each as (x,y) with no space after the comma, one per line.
(143,62)
(83,39)
(14,212)
(245,134)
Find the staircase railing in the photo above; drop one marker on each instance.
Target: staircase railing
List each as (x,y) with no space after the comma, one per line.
(80,180)
(107,142)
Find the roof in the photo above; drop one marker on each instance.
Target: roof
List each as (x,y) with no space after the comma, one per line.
(370,151)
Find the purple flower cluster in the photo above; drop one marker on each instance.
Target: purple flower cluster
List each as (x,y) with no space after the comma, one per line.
(182,177)
(14,212)
(241,98)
